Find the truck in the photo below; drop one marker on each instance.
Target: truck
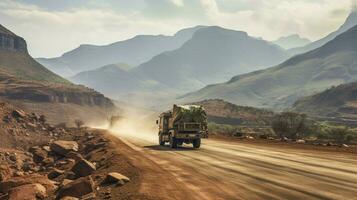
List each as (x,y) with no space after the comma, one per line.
(183,124)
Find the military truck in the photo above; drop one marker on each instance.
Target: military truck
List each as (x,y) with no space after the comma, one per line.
(183,124)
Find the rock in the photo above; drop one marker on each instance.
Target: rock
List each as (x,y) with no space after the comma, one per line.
(69,198)
(46,148)
(115,177)
(62,147)
(39,155)
(83,168)
(345,145)
(55,173)
(70,175)
(90,196)
(5,172)
(66,181)
(31,125)
(18,114)
(49,161)
(300,141)
(13,157)
(19,173)
(5,186)
(28,192)
(77,188)
(65,164)
(285,139)
(74,155)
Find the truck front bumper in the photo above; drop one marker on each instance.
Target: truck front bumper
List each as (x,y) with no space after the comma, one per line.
(188,135)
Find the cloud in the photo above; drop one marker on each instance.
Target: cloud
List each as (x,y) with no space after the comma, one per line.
(53,29)
(178,3)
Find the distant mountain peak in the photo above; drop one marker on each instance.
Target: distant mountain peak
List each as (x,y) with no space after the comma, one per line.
(350,21)
(291,41)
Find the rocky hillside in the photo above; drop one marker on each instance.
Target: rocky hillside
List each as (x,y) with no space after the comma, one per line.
(279,87)
(337,102)
(222,112)
(28,84)
(133,52)
(41,161)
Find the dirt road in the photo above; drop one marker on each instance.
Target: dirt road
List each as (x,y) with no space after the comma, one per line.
(233,170)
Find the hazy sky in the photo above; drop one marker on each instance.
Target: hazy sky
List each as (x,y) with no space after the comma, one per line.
(52,27)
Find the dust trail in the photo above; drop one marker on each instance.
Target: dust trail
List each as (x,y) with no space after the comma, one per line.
(136,123)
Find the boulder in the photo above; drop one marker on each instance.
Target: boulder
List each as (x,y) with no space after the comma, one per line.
(5,172)
(18,113)
(115,177)
(5,186)
(74,155)
(55,173)
(83,168)
(300,141)
(46,148)
(62,147)
(65,164)
(28,192)
(77,188)
(49,161)
(39,155)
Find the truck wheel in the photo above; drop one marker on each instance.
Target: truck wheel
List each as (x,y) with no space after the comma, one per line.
(162,143)
(196,143)
(173,142)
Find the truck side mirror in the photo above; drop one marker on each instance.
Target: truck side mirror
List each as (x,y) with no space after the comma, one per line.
(157,121)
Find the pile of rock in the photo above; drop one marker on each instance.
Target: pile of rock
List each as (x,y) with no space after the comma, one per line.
(60,170)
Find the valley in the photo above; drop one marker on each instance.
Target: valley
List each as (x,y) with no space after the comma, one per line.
(129,104)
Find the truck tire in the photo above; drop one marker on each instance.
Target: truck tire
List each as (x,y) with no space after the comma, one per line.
(196,143)
(161,142)
(173,142)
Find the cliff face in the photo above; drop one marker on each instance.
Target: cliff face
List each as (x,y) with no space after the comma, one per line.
(34,88)
(10,41)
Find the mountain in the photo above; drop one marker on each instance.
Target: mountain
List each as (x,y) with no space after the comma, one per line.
(291,41)
(28,84)
(350,22)
(14,56)
(337,102)
(223,112)
(279,87)
(133,51)
(212,55)
(115,78)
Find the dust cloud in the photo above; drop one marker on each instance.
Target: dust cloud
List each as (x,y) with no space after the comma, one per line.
(136,123)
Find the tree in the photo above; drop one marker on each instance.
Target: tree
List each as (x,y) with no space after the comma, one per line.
(289,124)
(79,123)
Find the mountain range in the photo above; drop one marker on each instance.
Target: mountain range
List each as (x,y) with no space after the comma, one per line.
(279,87)
(133,52)
(213,54)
